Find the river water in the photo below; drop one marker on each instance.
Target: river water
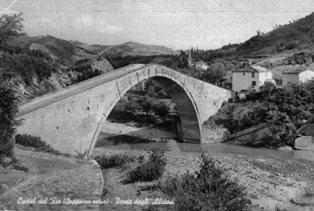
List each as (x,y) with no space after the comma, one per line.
(214,148)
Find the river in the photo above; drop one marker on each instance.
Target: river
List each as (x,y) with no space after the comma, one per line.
(114,133)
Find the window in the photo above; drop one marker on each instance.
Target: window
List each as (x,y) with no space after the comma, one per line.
(253,83)
(253,75)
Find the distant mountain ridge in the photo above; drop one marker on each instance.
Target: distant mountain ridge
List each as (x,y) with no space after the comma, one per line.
(136,49)
(75,50)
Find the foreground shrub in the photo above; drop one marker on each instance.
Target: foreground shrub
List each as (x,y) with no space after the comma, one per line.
(35,142)
(209,189)
(119,161)
(151,170)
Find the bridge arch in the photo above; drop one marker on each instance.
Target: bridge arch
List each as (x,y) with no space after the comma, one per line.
(71,119)
(187,108)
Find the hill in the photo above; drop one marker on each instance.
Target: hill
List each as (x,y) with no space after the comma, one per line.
(297,35)
(136,49)
(75,50)
(66,51)
(41,64)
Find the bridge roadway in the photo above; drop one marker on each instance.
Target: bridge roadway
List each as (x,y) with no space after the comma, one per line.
(60,94)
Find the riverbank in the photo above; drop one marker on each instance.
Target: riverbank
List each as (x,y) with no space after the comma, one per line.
(51,183)
(271,183)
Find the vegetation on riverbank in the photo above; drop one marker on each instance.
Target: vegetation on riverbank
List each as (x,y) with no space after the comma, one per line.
(285,109)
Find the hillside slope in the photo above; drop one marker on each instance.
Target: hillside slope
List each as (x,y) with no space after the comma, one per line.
(67,52)
(42,64)
(297,35)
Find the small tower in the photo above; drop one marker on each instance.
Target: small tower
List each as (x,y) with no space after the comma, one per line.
(190,59)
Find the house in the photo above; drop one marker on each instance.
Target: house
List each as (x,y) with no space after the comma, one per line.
(297,75)
(200,65)
(250,78)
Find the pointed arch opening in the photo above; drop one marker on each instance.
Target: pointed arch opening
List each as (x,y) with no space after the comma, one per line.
(186,125)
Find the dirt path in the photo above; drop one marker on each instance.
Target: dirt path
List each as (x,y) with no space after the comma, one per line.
(51,180)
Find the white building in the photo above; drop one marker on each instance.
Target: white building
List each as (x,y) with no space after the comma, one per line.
(249,79)
(296,76)
(200,65)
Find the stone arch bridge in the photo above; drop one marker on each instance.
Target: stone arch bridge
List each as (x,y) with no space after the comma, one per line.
(70,119)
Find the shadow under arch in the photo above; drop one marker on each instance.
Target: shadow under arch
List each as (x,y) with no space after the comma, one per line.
(186,106)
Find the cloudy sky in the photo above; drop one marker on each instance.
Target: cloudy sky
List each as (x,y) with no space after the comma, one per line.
(179,24)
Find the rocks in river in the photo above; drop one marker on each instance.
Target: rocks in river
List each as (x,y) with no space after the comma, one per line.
(285,148)
(304,202)
(305,143)
(259,135)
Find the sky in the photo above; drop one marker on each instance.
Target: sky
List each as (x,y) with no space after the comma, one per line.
(178,24)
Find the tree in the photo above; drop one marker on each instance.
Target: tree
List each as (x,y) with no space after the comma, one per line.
(8,110)
(215,74)
(183,60)
(10,27)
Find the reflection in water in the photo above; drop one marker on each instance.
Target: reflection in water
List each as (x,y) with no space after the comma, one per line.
(214,148)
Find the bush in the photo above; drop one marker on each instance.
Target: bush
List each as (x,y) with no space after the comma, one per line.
(291,45)
(209,189)
(106,162)
(35,142)
(302,58)
(149,171)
